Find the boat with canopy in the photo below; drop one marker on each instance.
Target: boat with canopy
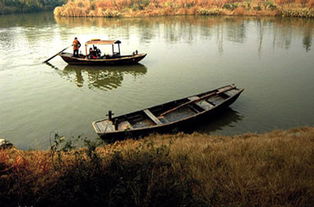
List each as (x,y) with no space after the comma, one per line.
(95,57)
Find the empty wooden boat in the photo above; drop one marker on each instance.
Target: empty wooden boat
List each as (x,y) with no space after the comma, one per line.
(164,117)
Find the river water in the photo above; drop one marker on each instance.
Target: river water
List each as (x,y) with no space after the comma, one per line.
(272,58)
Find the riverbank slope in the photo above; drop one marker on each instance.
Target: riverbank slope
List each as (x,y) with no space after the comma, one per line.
(134,8)
(271,169)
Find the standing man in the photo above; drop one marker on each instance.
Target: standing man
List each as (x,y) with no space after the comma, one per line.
(76,45)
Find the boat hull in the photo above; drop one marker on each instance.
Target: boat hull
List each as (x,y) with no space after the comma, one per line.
(122,60)
(186,123)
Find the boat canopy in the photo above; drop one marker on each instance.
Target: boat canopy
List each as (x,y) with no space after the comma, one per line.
(102,42)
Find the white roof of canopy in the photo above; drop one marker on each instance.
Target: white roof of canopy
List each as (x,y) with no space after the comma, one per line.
(102,42)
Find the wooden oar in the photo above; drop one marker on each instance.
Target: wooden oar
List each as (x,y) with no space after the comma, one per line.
(228,88)
(56,54)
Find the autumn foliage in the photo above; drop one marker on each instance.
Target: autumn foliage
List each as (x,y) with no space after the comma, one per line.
(130,8)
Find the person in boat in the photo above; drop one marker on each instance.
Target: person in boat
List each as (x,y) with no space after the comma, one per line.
(91,53)
(76,45)
(97,51)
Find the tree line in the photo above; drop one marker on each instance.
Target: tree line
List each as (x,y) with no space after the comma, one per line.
(21,6)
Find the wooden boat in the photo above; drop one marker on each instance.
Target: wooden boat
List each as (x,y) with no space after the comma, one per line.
(164,117)
(107,59)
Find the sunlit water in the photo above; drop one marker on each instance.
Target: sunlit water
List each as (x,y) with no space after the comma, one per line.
(271,58)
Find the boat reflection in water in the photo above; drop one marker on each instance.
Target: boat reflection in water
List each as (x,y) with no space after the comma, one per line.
(107,78)
(228,118)
(222,124)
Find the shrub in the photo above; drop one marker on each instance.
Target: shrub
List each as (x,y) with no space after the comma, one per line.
(230,6)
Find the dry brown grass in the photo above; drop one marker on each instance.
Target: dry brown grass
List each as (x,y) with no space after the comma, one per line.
(272,169)
(131,8)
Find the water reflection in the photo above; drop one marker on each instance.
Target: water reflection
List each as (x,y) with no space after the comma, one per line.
(172,28)
(191,28)
(228,117)
(98,77)
(286,27)
(33,32)
(307,39)
(236,29)
(42,19)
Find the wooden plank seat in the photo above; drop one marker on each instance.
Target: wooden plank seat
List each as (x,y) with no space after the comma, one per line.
(163,120)
(230,93)
(152,116)
(216,100)
(194,109)
(202,104)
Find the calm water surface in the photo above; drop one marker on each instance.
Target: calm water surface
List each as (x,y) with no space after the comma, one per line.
(272,58)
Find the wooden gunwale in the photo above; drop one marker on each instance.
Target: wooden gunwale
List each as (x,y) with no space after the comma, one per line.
(197,100)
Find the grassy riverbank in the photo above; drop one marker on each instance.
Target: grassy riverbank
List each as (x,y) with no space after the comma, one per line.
(131,8)
(272,169)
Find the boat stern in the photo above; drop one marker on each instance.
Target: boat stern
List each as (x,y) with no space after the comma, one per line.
(103,126)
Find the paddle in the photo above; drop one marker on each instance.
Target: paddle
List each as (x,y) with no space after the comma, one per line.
(225,89)
(56,54)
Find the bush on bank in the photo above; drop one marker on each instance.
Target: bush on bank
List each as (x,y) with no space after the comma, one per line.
(272,169)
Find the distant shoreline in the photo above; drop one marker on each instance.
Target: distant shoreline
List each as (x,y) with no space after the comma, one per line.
(232,9)
(297,12)
(143,8)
